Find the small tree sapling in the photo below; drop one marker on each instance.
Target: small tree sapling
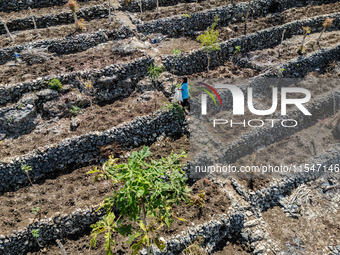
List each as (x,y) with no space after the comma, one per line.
(237,50)
(209,40)
(246,18)
(145,198)
(177,53)
(26,169)
(302,48)
(7,30)
(155,71)
(88,88)
(327,24)
(157,1)
(73,5)
(61,247)
(35,234)
(55,84)
(34,23)
(184,20)
(141,9)
(282,38)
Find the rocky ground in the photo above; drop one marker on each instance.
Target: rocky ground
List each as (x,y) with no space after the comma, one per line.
(109,104)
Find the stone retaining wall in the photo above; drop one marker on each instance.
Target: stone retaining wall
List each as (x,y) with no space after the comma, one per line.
(118,73)
(67,45)
(196,61)
(84,149)
(228,14)
(134,6)
(18,5)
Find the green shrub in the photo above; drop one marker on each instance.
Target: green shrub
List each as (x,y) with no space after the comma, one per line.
(147,192)
(209,40)
(155,71)
(55,84)
(35,233)
(175,108)
(75,110)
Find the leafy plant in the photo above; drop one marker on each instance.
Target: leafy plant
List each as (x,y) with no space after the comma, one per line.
(184,20)
(73,5)
(35,234)
(26,169)
(237,49)
(147,193)
(327,24)
(10,119)
(209,40)
(177,53)
(155,71)
(302,48)
(175,108)
(55,84)
(107,225)
(75,110)
(281,70)
(35,210)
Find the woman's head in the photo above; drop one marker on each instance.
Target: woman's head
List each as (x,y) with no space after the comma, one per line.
(185,79)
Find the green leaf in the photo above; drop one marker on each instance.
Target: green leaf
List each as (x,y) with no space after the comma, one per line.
(140,193)
(95,178)
(124,230)
(167,221)
(142,226)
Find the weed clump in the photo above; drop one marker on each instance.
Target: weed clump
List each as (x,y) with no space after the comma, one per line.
(55,84)
(155,71)
(177,53)
(175,108)
(75,110)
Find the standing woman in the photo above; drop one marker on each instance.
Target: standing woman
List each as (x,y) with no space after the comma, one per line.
(185,94)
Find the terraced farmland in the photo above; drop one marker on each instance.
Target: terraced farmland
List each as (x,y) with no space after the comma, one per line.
(105,102)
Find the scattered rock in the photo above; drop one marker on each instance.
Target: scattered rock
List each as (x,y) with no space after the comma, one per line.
(74,124)
(130,46)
